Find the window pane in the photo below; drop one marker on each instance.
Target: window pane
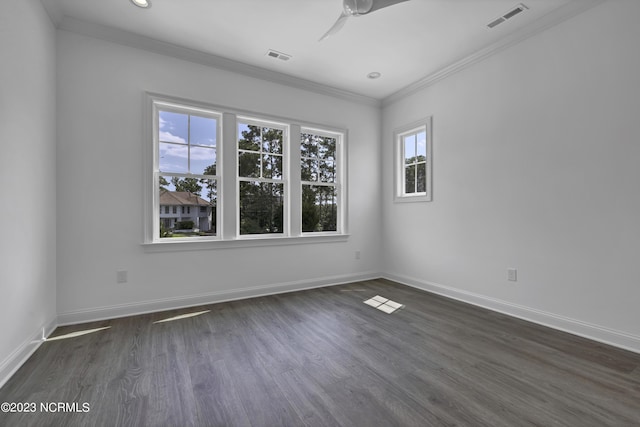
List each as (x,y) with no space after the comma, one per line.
(272,140)
(327,171)
(327,148)
(187,193)
(173,158)
(308,145)
(203,131)
(410,179)
(203,161)
(421,141)
(272,167)
(249,164)
(261,207)
(309,170)
(319,208)
(421,179)
(173,127)
(249,137)
(410,148)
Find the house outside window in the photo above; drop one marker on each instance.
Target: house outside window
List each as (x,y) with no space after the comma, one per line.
(247,177)
(185,148)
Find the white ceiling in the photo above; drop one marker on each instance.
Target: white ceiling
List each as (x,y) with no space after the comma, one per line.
(407,42)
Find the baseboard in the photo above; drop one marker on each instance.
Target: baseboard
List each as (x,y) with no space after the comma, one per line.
(132,309)
(15,360)
(576,327)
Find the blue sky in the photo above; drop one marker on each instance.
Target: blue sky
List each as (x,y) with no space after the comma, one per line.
(187,142)
(413,143)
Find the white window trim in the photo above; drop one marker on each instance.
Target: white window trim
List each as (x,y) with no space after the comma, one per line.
(285,181)
(340,169)
(168,104)
(398,153)
(227,229)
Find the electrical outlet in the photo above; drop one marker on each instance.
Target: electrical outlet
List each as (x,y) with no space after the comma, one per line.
(357,254)
(121,276)
(512,274)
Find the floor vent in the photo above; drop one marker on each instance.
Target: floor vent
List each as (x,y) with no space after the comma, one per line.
(384,304)
(278,55)
(510,14)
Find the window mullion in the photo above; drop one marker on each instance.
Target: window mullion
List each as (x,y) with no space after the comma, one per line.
(189,143)
(229,191)
(294,187)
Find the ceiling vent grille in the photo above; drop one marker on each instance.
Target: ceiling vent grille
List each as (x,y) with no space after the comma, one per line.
(510,14)
(278,55)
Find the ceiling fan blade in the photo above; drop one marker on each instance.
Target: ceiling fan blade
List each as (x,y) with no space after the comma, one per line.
(381,4)
(336,26)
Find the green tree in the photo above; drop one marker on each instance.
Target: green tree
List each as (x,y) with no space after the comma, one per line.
(190,185)
(211,192)
(319,209)
(261,203)
(163,183)
(310,213)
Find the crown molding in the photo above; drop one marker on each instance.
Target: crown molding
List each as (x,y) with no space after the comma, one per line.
(137,41)
(549,20)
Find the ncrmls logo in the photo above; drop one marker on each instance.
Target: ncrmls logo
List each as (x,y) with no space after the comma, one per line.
(65,407)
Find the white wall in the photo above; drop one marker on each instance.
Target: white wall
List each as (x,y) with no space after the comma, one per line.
(27,172)
(536,166)
(100,186)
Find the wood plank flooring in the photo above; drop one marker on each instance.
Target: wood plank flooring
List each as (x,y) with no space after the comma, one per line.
(323,358)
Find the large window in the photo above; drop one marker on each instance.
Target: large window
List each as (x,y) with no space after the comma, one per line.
(319,181)
(261,178)
(185,176)
(413,161)
(220,175)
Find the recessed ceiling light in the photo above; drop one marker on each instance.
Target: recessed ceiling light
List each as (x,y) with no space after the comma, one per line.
(374,75)
(145,4)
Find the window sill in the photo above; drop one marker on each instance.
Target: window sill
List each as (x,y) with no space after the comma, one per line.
(411,199)
(198,245)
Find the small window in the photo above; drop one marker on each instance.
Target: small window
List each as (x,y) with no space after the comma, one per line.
(413,162)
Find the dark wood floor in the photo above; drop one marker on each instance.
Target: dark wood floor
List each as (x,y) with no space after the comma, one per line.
(323,358)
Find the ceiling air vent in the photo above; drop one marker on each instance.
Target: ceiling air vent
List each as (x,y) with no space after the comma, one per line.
(510,14)
(278,55)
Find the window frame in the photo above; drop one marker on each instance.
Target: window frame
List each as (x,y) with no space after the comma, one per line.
(400,195)
(338,184)
(176,106)
(227,214)
(284,180)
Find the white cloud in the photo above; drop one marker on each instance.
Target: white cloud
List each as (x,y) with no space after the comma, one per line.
(169,150)
(198,153)
(169,137)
